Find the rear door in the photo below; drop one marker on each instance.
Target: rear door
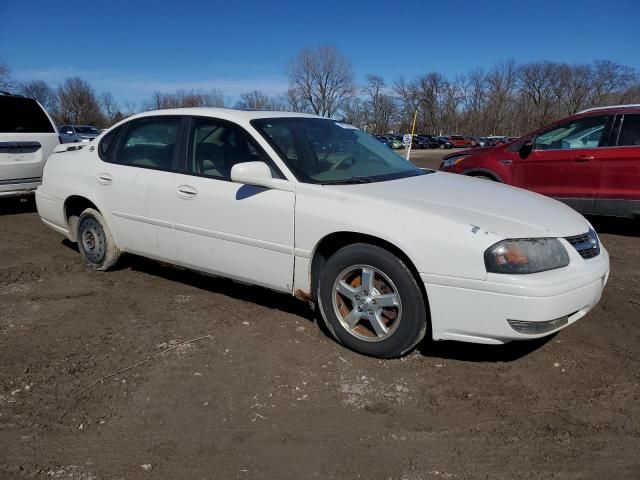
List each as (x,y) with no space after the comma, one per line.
(565,162)
(27,138)
(135,183)
(619,185)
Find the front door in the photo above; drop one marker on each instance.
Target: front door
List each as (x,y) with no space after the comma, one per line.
(225,228)
(565,162)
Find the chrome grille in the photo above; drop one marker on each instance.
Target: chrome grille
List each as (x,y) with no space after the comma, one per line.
(587,244)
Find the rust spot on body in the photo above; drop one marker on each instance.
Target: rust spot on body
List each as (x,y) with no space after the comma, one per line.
(302,295)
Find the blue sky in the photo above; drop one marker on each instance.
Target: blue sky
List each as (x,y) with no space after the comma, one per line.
(132,48)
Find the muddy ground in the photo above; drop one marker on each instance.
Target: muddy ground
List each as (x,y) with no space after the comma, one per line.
(269,395)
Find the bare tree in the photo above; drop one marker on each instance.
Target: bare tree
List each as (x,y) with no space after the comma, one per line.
(380,106)
(355,113)
(78,104)
(539,91)
(258,100)
(323,78)
(40,91)
(111,108)
(5,76)
(184,99)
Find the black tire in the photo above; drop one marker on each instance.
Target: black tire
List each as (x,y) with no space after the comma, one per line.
(412,318)
(95,242)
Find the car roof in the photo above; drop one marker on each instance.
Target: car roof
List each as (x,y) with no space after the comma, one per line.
(230,114)
(611,108)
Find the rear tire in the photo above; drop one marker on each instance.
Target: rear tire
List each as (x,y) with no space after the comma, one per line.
(370,301)
(95,242)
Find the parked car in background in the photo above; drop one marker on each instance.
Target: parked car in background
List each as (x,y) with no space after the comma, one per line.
(396,143)
(27,137)
(444,142)
(419,143)
(478,142)
(382,139)
(458,141)
(590,160)
(263,198)
(78,133)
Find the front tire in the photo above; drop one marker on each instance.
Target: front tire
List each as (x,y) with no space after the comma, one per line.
(371,302)
(95,242)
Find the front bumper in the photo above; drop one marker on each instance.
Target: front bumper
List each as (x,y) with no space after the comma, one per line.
(480,311)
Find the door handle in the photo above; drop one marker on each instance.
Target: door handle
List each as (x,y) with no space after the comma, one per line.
(186,191)
(583,158)
(104,179)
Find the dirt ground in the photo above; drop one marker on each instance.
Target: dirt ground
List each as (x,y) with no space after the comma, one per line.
(269,395)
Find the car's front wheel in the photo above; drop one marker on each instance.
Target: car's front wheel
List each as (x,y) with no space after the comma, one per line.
(371,302)
(95,242)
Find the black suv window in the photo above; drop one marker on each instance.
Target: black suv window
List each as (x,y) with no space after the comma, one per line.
(23,115)
(149,142)
(630,133)
(215,147)
(581,133)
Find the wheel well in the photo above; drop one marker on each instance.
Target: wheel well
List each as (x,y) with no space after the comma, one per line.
(482,173)
(335,241)
(73,207)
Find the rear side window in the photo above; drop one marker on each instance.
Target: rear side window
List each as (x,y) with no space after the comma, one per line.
(149,143)
(107,143)
(23,115)
(630,133)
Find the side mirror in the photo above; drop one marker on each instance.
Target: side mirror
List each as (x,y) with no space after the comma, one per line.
(259,174)
(526,148)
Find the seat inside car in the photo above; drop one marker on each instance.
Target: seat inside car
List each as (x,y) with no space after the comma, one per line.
(154,156)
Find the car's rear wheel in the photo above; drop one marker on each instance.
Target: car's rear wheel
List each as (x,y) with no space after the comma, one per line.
(371,302)
(95,242)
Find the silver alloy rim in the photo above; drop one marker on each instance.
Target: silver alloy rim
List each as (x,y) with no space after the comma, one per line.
(93,241)
(367,303)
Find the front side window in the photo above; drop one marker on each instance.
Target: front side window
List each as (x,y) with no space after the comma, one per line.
(215,147)
(149,143)
(581,133)
(326,151)
(630,133)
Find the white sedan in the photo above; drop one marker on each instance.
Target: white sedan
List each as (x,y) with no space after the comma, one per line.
(321,210)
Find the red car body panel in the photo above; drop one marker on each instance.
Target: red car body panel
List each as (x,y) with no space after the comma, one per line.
(601,180)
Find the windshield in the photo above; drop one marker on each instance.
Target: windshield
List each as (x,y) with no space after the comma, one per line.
(88,130)
(325,151)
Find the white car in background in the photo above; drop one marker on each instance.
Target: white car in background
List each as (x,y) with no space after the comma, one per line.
(27,137)
(318,209)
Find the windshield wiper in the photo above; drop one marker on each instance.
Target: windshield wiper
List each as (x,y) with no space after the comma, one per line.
(352,180)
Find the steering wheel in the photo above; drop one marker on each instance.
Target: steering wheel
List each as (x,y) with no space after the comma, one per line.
(339,163)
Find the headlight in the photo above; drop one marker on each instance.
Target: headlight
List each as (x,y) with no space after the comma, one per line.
(450,162)
(526,256)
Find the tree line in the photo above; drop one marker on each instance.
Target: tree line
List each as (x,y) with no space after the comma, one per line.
(508,98)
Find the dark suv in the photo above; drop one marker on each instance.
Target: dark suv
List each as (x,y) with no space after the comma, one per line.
(590,160)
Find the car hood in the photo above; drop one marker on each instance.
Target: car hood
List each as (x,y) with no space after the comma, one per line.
(493,207)
(473,151)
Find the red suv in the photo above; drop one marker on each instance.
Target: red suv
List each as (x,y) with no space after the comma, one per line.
(460,141)
(590,160)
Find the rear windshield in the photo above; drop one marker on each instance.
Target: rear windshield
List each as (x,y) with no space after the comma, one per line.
(23,115)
